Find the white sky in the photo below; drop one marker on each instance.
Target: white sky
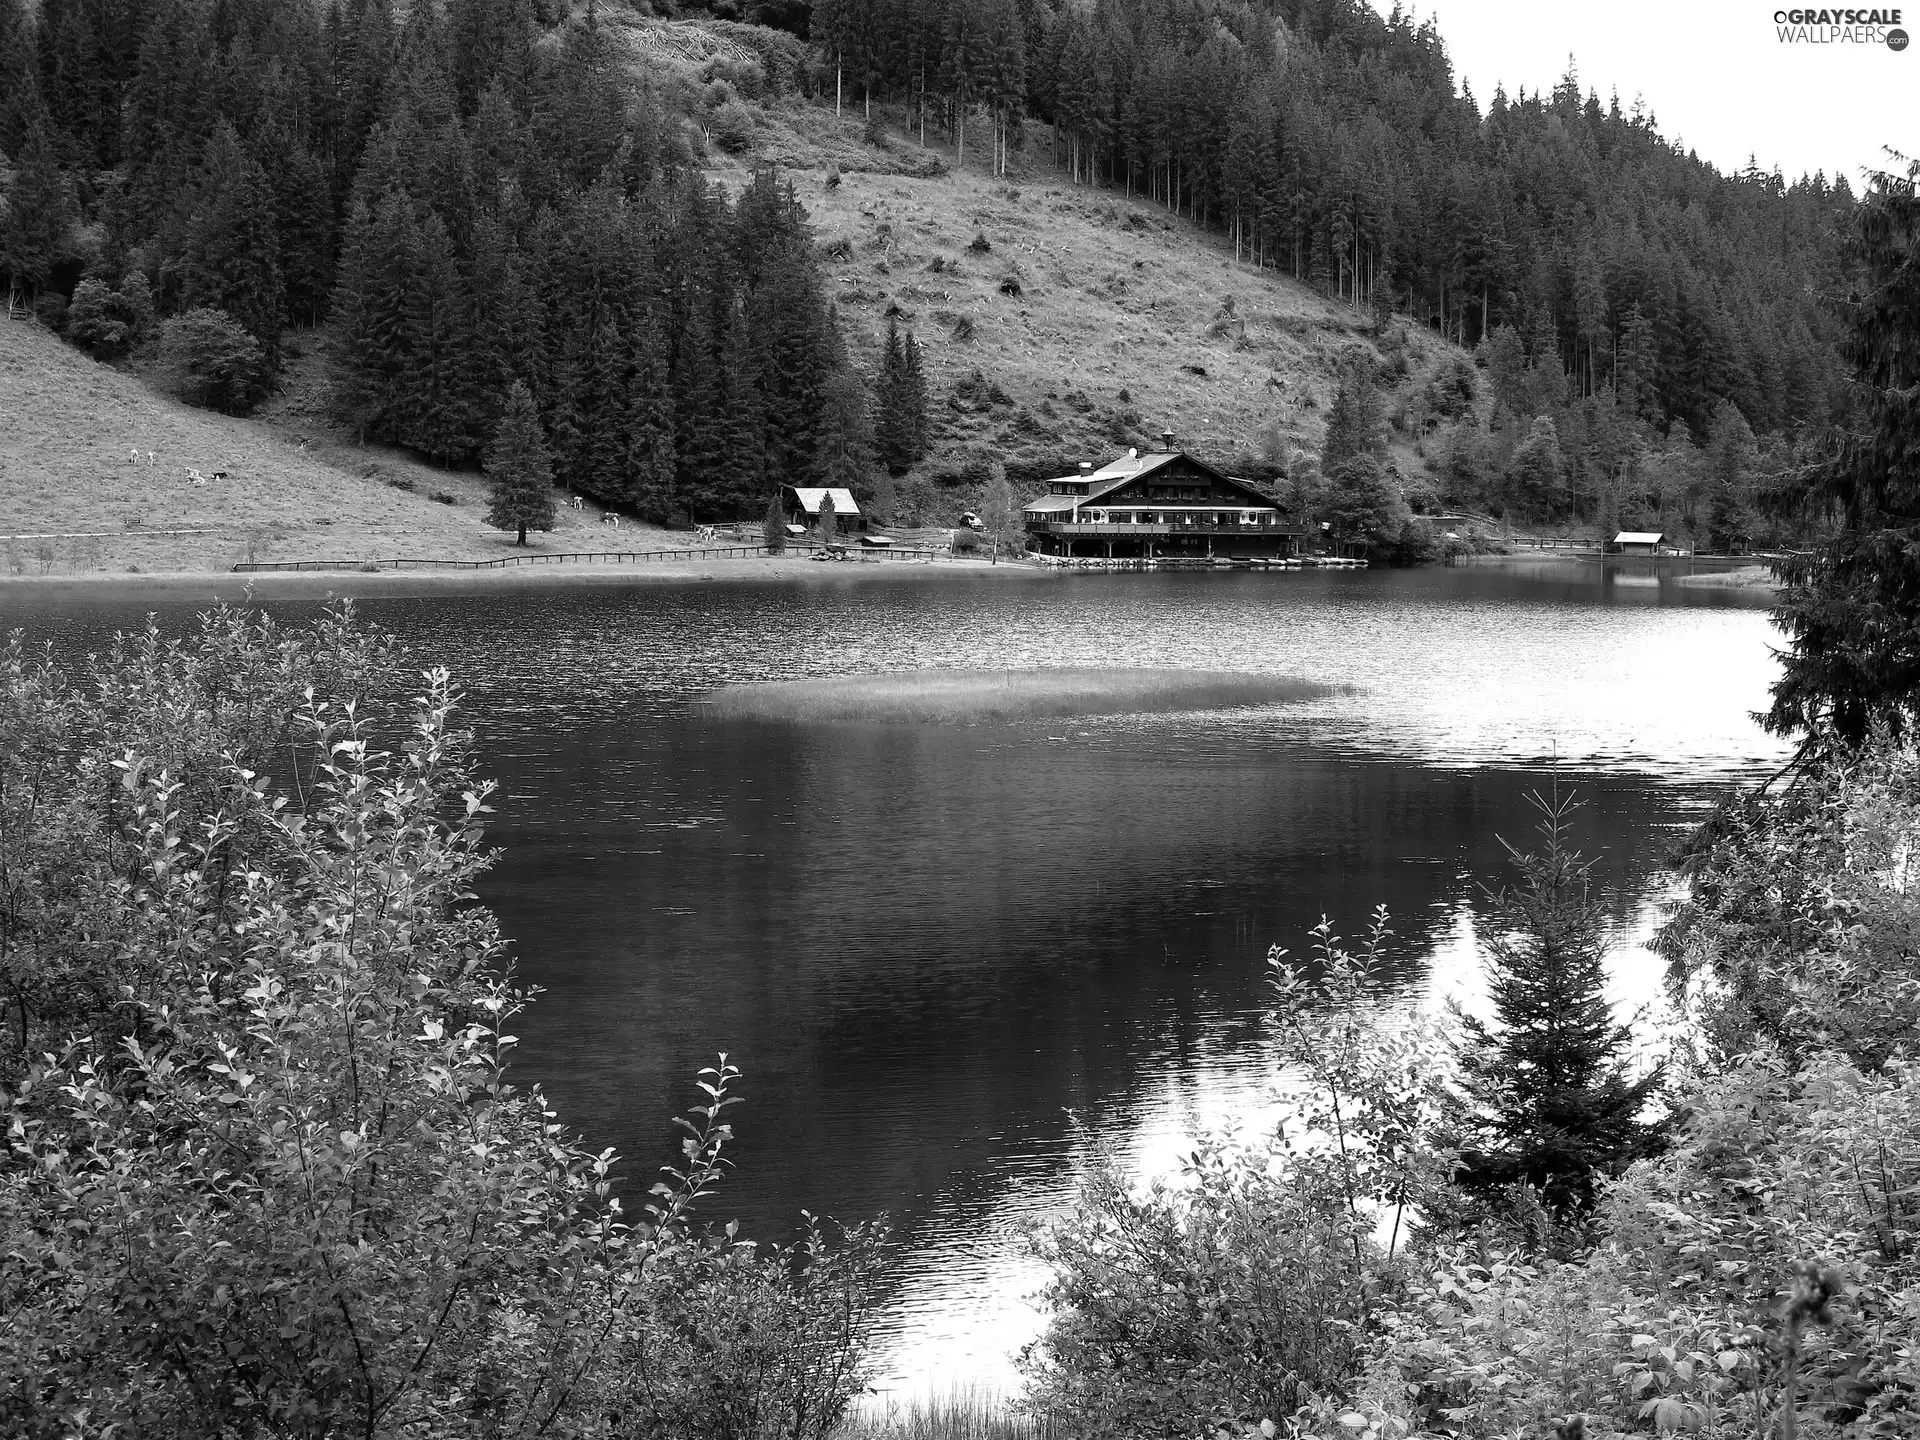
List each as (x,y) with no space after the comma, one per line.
(1713,72)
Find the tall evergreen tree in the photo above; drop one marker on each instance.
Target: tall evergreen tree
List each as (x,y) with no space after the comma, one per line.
(34,231)
(1545,1099)
(892,420)
(520,472)
(1852,605)
(919,440)
(1354,421)
(232,259)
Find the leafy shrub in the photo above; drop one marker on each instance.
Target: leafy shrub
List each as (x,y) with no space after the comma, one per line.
(743,73)
(1450,391)
(208,359)
(751,1341)
(1240,1296)
(1797,932)
(265,1172)
(966,542)
(731,126)
(1225,1297)
(443,497)
(108,323)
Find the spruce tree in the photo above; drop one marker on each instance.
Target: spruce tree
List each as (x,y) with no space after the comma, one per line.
(232,259)
(33,233)
(773,525)
(1545,1099)
(892,425)
(1852,604)
(919,441)
(517,465)
(829,523)
(845,454)
(1354,419)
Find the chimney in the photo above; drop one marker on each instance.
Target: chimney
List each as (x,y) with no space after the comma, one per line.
(1166,441)
(1086,467)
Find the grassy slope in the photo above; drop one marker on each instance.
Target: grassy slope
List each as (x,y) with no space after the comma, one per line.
(65,475)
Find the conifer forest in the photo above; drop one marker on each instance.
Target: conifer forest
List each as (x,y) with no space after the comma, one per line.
(470,193)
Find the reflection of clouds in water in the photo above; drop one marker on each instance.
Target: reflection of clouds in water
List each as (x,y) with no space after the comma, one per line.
(968,1301)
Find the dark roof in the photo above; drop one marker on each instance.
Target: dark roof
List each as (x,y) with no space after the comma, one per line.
(1124,471)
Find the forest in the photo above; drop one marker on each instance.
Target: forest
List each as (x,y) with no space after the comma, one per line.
(486,191)
(467,199)
(1610,282)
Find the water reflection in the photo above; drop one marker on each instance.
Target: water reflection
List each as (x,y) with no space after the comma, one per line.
(925,945)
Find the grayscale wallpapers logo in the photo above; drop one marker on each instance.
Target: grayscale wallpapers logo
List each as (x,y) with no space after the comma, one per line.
(1840,27)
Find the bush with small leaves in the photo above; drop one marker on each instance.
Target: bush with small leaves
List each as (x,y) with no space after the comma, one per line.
(208,359)
(265,1171)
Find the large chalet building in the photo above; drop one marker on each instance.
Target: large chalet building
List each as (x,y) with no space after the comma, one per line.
(1159,506)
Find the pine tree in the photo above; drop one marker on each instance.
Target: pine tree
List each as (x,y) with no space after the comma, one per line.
(1538,472)
(919,441)
(845,454)
(232,259)
(1353,420)
(1852,605)
(892,424)
(33,233)
(436,416)
(828,525)
(773,525)
(517,465)
(1545,1099)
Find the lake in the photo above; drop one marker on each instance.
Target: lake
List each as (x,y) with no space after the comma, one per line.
(954,960)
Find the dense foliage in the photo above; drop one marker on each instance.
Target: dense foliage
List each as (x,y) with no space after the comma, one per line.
(480,194)
(485,191)
(265,1171)
(1612,281)
(1760,1277)
(1852,604)
(1332,141)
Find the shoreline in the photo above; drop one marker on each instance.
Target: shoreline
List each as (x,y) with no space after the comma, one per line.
(349,582)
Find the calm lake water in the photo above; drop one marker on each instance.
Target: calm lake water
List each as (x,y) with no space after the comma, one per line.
(951,960)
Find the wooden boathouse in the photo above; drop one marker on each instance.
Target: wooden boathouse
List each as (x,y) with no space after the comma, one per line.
(1166,505)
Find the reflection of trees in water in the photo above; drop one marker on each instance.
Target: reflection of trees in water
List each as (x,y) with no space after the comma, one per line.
(924,946)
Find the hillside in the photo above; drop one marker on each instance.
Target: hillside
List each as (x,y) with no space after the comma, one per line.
(1091,323)
(71,499)
(447,200)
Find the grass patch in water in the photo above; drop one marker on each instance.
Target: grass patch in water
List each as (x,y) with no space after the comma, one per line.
(959,696)
(960,1415)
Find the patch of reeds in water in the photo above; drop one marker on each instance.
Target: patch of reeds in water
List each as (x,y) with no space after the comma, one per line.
(962,696)
(958,1415)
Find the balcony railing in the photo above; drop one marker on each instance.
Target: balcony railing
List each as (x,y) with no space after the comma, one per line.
(1062,527)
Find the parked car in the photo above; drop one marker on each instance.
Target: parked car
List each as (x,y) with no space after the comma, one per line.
(972,521)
